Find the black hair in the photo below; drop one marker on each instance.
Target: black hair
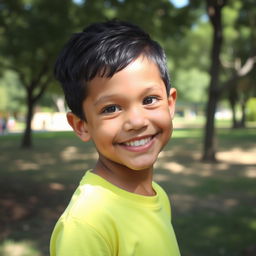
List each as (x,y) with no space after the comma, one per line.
(103,49)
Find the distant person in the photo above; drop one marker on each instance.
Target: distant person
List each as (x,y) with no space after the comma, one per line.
(116,84)
(3,123)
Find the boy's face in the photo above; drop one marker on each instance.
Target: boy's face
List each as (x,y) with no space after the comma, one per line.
(129,116)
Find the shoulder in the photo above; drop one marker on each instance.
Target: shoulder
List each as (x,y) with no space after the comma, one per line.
(163,197)
(160,191)
(89,202)
(73,236)
(86,222)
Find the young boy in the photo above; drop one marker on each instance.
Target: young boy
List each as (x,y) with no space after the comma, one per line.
(116,84)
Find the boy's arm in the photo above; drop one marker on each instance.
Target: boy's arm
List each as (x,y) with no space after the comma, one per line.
(76,239)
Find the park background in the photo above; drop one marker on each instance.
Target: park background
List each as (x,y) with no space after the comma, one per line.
(209,166)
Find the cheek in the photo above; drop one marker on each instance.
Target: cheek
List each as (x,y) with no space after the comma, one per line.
(163,118)
(167,128)
(164,122)
(104,132)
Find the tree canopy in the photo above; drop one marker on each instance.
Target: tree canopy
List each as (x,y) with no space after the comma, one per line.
(30,39)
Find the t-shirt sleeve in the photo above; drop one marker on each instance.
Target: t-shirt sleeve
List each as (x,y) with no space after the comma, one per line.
(74,238)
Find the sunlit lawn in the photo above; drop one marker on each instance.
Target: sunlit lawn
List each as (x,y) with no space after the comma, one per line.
(213,205)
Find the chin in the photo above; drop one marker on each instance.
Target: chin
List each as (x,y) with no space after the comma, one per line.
(142,164)
(141,167)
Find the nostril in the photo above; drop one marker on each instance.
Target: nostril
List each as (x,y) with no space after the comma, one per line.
(135,124)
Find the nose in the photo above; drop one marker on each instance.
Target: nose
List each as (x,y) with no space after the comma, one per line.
(135,119)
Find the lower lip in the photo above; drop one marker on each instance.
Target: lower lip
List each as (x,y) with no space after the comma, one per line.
(140,149)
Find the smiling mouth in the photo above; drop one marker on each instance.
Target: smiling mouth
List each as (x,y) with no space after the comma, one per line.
(138,142)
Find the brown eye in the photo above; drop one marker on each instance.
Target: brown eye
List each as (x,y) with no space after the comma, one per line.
(150,100)
(110,109)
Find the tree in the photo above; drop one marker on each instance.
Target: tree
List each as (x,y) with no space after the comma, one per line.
(214,9)
(31,38)
(236,53)
(239,56)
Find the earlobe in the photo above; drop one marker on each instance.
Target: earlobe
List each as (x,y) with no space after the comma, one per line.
(172,101)
(79,126)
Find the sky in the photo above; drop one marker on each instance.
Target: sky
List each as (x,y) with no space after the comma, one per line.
(180,3)
(177,3)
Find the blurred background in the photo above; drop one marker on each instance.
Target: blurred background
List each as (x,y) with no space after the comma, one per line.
(209,166)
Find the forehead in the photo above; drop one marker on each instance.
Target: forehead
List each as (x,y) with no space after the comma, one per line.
(140,73)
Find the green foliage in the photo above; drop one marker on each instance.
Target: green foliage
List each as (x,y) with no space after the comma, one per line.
(239,33)
(191,63)
(31,37)
(12,98)
(191,84)
(251,109)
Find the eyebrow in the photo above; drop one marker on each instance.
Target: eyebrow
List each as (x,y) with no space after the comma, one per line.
(105,98)
(114,95)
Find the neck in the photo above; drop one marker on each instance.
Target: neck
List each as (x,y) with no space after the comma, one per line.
(134,181)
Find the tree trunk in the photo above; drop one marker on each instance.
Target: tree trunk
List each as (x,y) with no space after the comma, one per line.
(241,123)
(243,119)
(232,97)
(214,12)
(209,139)
(233,109)
(39,86)
(27,135)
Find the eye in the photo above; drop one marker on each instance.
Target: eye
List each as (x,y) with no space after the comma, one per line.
(110,109)
(150,100)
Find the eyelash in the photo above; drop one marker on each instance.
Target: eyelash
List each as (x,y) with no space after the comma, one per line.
(152,98)
(109,109)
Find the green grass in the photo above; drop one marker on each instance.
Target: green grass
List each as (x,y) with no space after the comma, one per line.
(213,205)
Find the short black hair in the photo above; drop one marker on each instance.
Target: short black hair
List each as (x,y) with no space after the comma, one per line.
(103,49)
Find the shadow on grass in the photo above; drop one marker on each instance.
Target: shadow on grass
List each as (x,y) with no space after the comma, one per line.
(213,206)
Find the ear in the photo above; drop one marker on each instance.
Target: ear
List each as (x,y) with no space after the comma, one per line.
(79,126)
(172,101)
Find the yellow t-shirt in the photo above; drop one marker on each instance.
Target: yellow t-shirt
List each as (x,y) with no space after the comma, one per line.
(104,220)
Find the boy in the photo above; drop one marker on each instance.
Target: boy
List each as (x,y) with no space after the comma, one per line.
(116,84)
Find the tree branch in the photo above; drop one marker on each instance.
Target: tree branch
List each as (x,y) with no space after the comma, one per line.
(237,66)
(247,67)
(42,89)
(39,76)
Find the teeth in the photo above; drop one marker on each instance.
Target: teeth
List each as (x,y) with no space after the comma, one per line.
(137,143)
